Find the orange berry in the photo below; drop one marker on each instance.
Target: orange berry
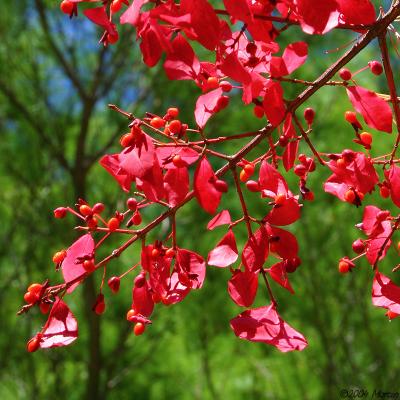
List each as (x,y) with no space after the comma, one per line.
(157,122)
(59,256)
(173,112)
(366,138)
(139,328)
(85,210)
(31,298)
(175,126)
(116,6)
(249,168)
(155,253)
(113,38)
(212,83)
(33,344)
(35,288)
(341,163)
(88,265)
(131,313)
(391,314)
(170,253)
(350,196)
(244,177)
(344,267)
(178,162)
(113,224)
(127,140)
(67,7)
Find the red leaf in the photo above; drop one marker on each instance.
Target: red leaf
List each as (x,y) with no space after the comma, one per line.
(193,264)
(206,106)
(131,14)
(293,57)
(285,243)
(142,300)
(318,17)
(290,154)
(255,251)
(225,253)
(176,183)
(273,103)
(61,328)
(99,16)
(165,154)
(278,274)
(239,9)
(375,111)
(181,62)
(72,266)
(206,193)
(232,67)
(385,293)
(271,181)
(111,164)
(357,11)
(222,218)
(242,287)
(393,176)
(371,225)
(284,214)
(264,325)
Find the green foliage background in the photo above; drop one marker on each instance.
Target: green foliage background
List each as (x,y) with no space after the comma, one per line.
(55,83)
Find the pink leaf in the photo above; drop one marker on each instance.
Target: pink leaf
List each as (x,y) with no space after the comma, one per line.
(72,266)
(271,181)
(375,244)
(222,218)
(264,325)
(206,106)
(165,154)
(61,328)
(375,111)
(385,293)
(293,57)
(242,287)
(193,264)
(204,189)
(225,253)
(131,15)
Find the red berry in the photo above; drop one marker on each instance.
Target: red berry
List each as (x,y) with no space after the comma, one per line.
(258,111)
(212,83)
(136,218)
(85,210)
(59,256)
(244,177)
(132,203)
(33,344)
(384,192)
(292,264)
(170,253)
(280,199)
(178,161)
(139,328)
(366,138)
(116,6)
(98,208)
(155,253)
(173,112)
(309,115)
(251,48)
(60,212)
(140,280)
(222,103)
(31,298)
(130,314)
(127,140)
(309,196)
(253,186)
(358,246)
(157,122)
(344,267)
(221,185)
(350,196)
(225,86)
(113,224)
(345,74)
(35,288)
(351,117)
(91,222)
(44,307)
(112,38)
(88,266)
(67,7)
(100,307)
(114,283)
(249,168)
(283,141)
(175,126)
(300,170)
(341,163)
(375,67)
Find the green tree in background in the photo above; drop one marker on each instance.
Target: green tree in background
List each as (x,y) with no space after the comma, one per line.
(55,84)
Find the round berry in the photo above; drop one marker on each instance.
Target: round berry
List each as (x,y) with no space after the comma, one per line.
(91,222)
(31,298)
(130,314)
(249,169)
(127,140)
(358,246)
(88,266)
(300,170)
(114,283)
(309,115)
(98,208)
(366,138)
(253,186)
(157,122)
(60,212)
(280,199)
(116,6)
(136,218)
(309,196)
(212,83)
(140,280)
(85,210)
(139,328)
(283,141)
(113,38)
(155,253)
(351,117)
(384,191)
(251,48)
(222,103)
(341,163)
(225,86)
(221,185)
(67,7)
(170,253)
(350,196)
(100,307)
(375,67)
(345,74)
(113,224)
(59,256)
(258,111)
(173,112)
(178,161)
(35,288)
(132,203)
(344,267)
(175,126)
(244,177)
